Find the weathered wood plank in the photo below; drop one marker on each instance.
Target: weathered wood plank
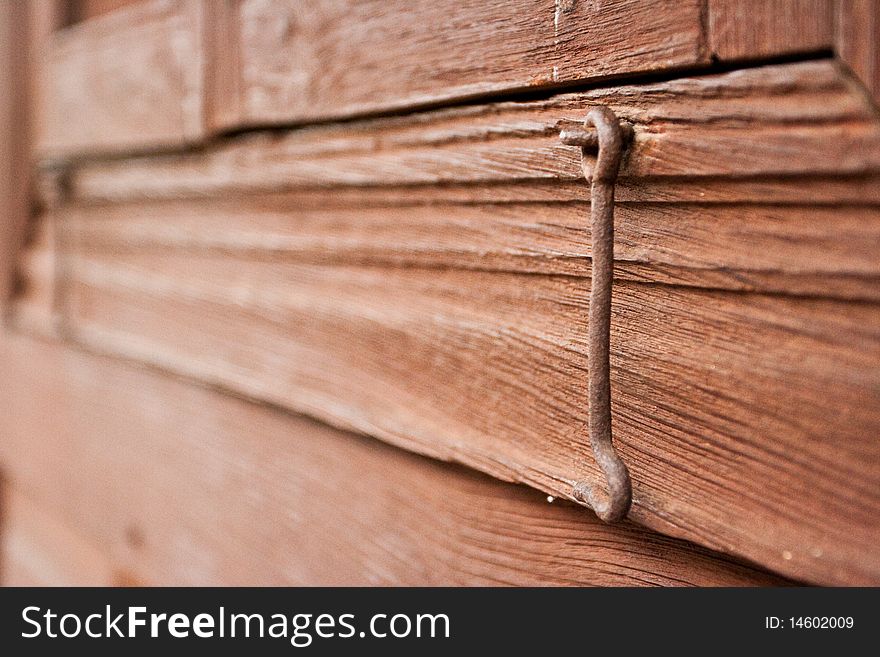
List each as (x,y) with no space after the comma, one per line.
(34,306)
(752,30)
(188,486)
(132,79)
(14,140)
(805,250)
(223,93)
(83,10)
(817,190)
(36,549)
(451,320)
(739,415)
(858,41)
(305,60)
(812,251)
(721,164)
(771,122)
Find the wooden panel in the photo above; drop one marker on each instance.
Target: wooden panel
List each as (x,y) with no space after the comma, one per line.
(765,122)
(132,79)
(235,493)
(34,305)
(26,29)
(740,414)
(751,30)
(304,60)
(858,41)
(716,394)
(691,244)
(223,93)
(38,550)
(14,175)
(719,164)
(83,10)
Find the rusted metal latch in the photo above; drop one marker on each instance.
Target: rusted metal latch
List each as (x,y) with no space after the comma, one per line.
(604,135)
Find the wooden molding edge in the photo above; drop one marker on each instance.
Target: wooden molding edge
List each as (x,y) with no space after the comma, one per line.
(741,31)
(857,42)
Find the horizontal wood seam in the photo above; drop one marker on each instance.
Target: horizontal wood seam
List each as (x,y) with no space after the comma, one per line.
(522,95)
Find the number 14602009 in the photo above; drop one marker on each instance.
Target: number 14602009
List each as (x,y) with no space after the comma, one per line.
(809,622)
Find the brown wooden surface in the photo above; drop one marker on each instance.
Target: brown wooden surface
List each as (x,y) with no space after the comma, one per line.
(36,549)
(83,10)
(739,416)
(156,74)
(858,41)
(720,163)
(451,319)
(690,244)
(223,93)
(27,269)
(14,170)
(131,79)
(423,279)
(34,306)
(188,486)
(766,122)
(743,29)
(303,60)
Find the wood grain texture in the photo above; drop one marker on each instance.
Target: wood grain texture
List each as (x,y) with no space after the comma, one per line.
(36,549)
(858,41)
(129,80)
(785,156)
(305,60)
(236,493)
(770,122)
(83,10)
(805,250)
(717,395)
(740,29)
(450,318)
(27,28)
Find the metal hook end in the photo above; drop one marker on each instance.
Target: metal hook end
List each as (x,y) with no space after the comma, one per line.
(611,505)
(588,138)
